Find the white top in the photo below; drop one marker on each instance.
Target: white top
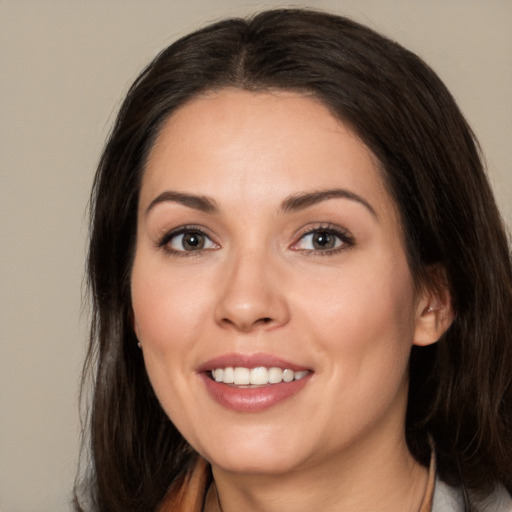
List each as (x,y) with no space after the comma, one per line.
(449,499)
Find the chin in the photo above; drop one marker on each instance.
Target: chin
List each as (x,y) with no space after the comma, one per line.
(259,454)
(264,464)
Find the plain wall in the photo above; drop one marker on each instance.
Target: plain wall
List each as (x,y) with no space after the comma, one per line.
(64,67)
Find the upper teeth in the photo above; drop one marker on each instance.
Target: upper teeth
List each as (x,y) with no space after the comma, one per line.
(256,376)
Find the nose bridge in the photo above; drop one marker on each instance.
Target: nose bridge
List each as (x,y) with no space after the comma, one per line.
(250,294)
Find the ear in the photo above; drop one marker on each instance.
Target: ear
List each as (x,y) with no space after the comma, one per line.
(434,313)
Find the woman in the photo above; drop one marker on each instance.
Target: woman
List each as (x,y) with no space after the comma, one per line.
(302,288)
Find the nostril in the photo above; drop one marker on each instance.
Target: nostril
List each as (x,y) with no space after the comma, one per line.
(248,325)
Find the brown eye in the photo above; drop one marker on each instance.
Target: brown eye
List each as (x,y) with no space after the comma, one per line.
(188,241)
(323,240)
(192,241)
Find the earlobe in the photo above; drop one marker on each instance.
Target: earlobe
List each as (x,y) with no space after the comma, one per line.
(434,315)
(136,330)
(139,344)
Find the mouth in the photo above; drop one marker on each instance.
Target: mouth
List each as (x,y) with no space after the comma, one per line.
(256,377)
(253,383)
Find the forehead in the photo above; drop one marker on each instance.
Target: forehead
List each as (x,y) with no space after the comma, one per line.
(257,144)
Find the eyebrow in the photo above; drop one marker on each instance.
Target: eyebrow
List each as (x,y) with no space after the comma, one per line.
(293,203)
(299,202)
(201,203)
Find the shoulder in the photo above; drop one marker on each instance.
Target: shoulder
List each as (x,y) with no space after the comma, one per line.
(449,499)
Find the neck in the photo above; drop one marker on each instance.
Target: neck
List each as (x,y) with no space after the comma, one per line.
(382,475)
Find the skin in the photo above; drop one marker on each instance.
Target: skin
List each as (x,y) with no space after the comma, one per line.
(259,285)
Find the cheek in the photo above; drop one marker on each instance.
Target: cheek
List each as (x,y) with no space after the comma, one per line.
(364,317)
(171,309)
(168,309)
(163,308)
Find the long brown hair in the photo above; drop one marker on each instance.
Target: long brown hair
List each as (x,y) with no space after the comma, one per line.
(460,388)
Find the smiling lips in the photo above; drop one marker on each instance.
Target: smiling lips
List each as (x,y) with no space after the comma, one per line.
(252,383)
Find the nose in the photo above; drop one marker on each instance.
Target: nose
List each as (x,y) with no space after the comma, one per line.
(252,295)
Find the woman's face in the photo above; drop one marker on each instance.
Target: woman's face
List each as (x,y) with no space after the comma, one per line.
(267,242)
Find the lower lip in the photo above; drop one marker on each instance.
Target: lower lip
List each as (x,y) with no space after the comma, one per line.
(252,399)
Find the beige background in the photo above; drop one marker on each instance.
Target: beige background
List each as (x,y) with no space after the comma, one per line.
(64,66)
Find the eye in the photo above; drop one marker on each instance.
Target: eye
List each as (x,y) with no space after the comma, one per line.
(187,240)
(323,240)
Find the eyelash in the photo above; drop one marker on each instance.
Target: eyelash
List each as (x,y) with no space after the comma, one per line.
(165,240)
(344,236)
